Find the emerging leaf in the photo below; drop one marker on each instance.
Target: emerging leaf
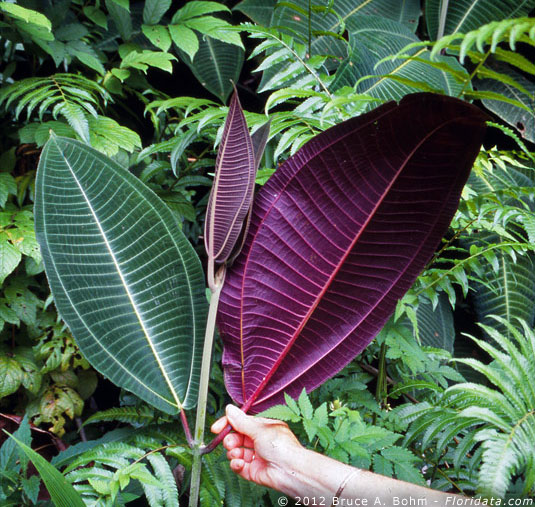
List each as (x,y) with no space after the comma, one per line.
(337,236)
(232,191)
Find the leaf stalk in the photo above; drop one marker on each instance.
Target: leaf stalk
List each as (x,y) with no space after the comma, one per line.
(202,397)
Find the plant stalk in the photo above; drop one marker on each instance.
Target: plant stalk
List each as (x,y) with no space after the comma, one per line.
(442,19)
(187,431)
(202,397)
(381,390)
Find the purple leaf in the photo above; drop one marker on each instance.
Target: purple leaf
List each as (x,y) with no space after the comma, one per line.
(232,190)
(337,236)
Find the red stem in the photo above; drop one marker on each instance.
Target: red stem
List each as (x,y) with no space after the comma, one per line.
(216,441)
(187,431)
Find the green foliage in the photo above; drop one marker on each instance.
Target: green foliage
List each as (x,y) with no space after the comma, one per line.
(15,487)
(495,75)
(492,425)
(93,72)
(342,434)
(61,492)
(44,367)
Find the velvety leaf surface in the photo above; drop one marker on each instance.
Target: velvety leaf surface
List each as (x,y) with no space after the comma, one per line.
(232,191)
(338,234)
(124,277)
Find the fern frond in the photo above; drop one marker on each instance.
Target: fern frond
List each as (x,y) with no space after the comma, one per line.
(491,430)
(291,56)
(57,90)
(491,34)
(136,416)
(500,460)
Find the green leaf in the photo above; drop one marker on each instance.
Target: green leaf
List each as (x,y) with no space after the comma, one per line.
(8,187)
(382,466)
(465,15)
(374,39)
(153,10)
(86,55)
(216,65)
(145,59)
(259,11)
(97,16)
(123,276)
(435,326)
(107,136)
(195,9)
(10,375)
(61,492)
(28,15)
(71,32)
(523,119)
(76,118)
(121,18)
(185,39)
(125,4)
(10,452)
(282,412)
(216,29)
(158,35)
(10,256)
(307,410)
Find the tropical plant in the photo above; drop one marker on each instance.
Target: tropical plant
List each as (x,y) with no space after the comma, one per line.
(486,430)
(142,285)
(88,72)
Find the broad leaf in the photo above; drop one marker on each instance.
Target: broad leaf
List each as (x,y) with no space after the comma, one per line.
(331,17)
(465,15)
(154,10)
(373,39)
(435,326)
(328,20)
(523,119)
(123,276)
(259,11)
(338,234)
(216,65)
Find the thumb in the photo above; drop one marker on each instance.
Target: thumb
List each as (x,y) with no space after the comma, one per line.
(241,422)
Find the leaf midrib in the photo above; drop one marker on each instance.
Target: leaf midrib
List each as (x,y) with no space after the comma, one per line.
(335,271)
(127,290)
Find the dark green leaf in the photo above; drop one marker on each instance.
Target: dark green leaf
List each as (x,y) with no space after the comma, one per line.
(147,271)
(154,10)
(216,65)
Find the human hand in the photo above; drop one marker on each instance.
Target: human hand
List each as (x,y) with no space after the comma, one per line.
(261,450)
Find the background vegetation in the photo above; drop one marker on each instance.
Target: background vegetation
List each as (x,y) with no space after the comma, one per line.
(146,83)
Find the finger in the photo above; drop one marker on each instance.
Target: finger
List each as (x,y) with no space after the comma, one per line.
(247,454)
(247,442)
(236,453)
(218,426)
(270,422)
(245,471)
(237,465)
(232,440)
(242,423)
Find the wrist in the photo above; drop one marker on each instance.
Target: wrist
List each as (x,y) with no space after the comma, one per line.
(307,473)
